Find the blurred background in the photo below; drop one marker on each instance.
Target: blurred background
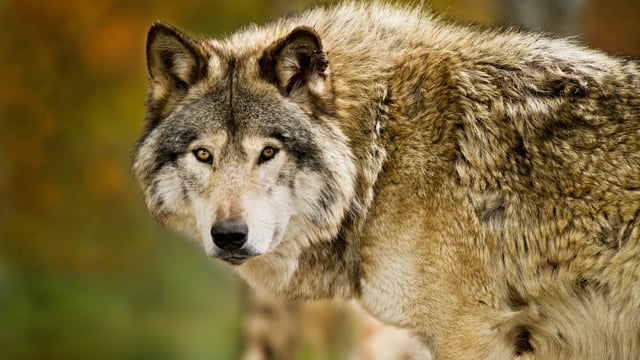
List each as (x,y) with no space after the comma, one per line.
(84,271)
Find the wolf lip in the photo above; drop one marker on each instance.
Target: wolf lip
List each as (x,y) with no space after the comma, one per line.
(235,260)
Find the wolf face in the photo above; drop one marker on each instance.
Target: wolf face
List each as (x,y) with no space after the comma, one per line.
(241,149)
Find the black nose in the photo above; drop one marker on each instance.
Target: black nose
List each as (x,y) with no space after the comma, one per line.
(229,234)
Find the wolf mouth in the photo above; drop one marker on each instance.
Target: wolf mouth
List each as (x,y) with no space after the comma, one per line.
(236,259)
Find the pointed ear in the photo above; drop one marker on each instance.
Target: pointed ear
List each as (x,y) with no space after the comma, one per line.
(175,63)
(297,64)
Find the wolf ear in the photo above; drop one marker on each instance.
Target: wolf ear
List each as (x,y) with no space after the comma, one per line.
(174,63)
(297,64)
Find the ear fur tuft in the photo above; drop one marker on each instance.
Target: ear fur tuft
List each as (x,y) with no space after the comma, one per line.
(296,63)
(174,63)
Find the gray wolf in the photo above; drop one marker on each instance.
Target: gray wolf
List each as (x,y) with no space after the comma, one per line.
(478,187)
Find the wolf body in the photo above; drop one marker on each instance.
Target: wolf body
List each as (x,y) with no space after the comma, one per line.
(479,187)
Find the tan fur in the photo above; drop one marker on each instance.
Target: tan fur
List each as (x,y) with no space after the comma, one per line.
(490,196)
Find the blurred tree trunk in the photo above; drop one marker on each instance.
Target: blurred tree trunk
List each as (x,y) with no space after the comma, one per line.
(561,17)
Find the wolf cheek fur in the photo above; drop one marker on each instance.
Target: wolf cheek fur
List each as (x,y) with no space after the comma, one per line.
(480,188)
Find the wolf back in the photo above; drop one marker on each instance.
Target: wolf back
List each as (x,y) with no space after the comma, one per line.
(479,187)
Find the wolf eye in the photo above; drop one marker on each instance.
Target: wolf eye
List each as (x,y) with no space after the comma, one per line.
(203,155)
(268,153)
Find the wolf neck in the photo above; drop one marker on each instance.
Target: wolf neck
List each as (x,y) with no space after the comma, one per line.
(323,269)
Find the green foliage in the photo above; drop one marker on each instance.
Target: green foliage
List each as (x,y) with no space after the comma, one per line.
(173,305)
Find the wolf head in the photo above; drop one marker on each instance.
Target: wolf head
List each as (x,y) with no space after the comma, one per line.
(241,148)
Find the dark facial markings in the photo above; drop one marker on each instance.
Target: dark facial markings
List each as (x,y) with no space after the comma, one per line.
(173,144)
(231,123)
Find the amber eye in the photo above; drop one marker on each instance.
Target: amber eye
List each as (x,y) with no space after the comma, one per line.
(203,155)
(268,153)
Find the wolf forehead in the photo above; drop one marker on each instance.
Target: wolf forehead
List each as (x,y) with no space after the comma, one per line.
(238,112)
